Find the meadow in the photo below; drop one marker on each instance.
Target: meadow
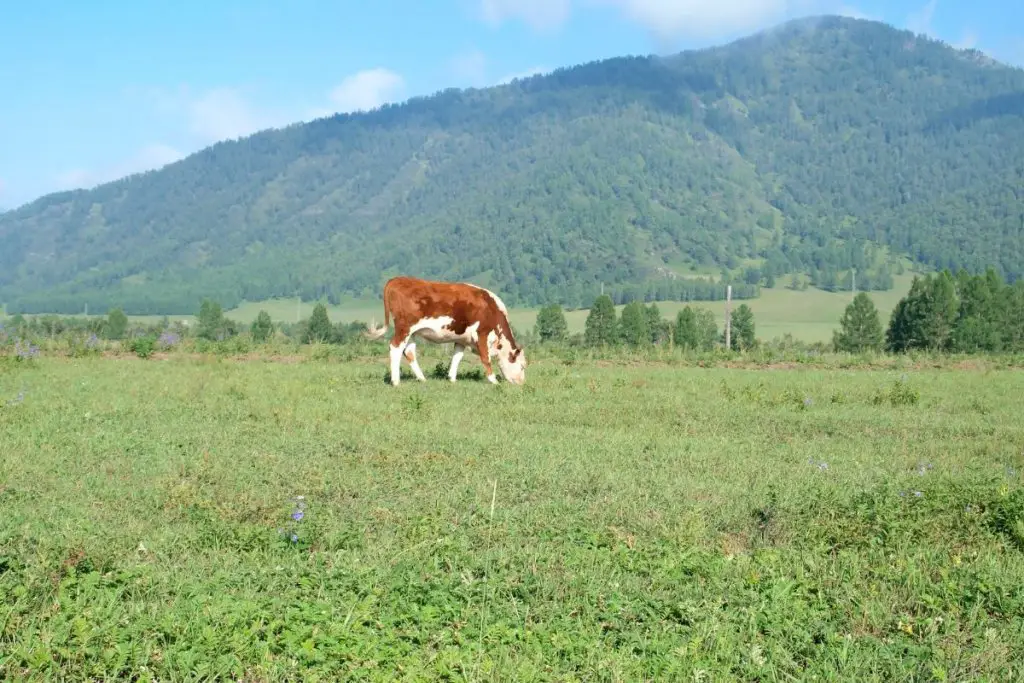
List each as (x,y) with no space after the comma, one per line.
(808,315)
(194,516)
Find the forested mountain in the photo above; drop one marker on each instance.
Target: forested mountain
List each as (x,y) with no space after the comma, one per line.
(819,145)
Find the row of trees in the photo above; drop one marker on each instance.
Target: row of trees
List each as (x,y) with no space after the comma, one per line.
(954,314)
(640,325)
(941,312)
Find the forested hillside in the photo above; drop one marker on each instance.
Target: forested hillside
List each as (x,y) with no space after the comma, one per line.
(819,146)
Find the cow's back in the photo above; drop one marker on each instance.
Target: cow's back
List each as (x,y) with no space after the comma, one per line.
(414,299)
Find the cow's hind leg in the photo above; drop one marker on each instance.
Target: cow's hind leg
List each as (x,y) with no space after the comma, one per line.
(410,355)
(453,369)
(398,343)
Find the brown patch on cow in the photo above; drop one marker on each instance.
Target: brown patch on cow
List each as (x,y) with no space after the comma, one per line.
(408,300)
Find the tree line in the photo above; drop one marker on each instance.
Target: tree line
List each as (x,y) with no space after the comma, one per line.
(960,314)
(942,312)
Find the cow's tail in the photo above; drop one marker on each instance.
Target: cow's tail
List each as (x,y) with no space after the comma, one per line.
(374,332)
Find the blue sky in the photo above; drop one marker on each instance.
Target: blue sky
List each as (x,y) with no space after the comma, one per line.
(92,91)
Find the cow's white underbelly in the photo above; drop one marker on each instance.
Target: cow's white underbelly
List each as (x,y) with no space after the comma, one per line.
(436,330)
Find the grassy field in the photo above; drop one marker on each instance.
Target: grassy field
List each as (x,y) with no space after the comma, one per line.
(606,522)
(810,315)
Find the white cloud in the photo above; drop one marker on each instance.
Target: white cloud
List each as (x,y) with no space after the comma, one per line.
(541,15)
(150,157)
(366,90)
(668,19)
(920,21)
(470,68)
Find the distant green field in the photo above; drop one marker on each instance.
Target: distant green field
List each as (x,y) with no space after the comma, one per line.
(603,523)
(810,315)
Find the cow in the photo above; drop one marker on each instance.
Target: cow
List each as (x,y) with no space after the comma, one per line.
(449,313)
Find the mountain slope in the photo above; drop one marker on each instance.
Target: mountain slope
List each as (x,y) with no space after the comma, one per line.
(817,146)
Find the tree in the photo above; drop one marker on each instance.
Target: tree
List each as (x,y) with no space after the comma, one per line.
(658,328)
(551,325)
(633,327)
(684,334)
(318,328)
(695,329)
(742,332)
(600,327)
(262,327)
(211,320)
(707,329)
(981,319)
(924,318)
(117,324)
(860,327)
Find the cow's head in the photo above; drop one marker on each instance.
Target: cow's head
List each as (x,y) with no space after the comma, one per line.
(512,361)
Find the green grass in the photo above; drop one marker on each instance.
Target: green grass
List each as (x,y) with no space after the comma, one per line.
(606,522)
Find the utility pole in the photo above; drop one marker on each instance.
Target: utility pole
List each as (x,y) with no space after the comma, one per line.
(854,288)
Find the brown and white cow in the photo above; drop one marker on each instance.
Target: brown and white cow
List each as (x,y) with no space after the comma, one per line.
(445,313)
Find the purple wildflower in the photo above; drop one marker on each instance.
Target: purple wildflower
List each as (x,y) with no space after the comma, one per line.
(168,339)
(298,515)
(25,350)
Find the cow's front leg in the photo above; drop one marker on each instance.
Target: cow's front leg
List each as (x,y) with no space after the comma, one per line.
(485,358)
(453,369)
(410,355)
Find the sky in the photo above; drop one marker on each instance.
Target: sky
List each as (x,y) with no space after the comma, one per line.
(93,91)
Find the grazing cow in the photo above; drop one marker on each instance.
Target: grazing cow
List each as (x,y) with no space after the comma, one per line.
(449,312)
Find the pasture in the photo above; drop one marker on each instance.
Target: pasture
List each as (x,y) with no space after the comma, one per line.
(809,315)
(609,521)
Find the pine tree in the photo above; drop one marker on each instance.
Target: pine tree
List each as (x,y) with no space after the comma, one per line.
(318,328)
(924,318)
(262,328)
(685,334)
(633,326)
(742,332)
(601,323)
(860,327)
(551,325)
(657,327)
(117,324)
(211,320)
